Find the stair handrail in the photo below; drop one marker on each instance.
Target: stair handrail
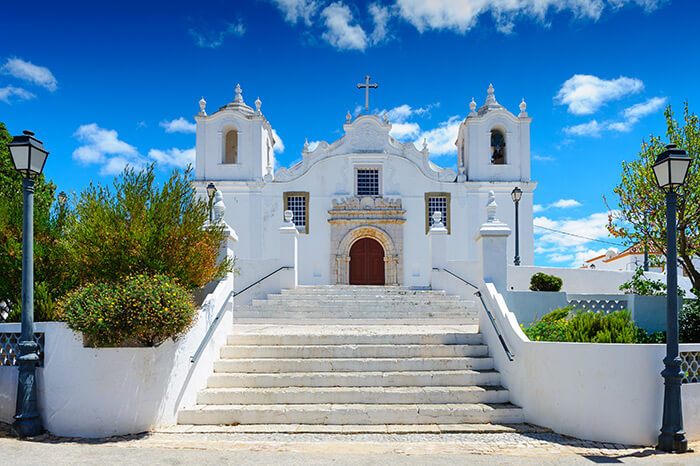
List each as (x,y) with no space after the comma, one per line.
(231,294)
(509,355)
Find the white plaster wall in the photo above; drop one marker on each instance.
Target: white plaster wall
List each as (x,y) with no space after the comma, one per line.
(602,392)
(89,392)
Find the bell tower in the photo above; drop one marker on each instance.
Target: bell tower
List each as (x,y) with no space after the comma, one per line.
(235,143)
(493,144)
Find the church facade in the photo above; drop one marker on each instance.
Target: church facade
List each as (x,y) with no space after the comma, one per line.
(363,204)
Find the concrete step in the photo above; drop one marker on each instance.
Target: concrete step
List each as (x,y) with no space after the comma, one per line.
(306,316)
(361,304)
(365,395)
(437,299)
(338,414)
(326,336)
(462,377)
(352,351)
(294,365)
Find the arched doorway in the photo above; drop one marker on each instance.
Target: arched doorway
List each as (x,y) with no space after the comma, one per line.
(367,262)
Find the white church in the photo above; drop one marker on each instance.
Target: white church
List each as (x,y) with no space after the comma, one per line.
(363,204)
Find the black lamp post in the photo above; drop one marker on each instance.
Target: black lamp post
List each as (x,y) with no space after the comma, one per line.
(211,190)
(516,194)
(29,157)
(670,170)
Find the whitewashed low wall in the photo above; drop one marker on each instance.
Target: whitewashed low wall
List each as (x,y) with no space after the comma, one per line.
(90,392)
(252,271)
(582,281)
(603,392)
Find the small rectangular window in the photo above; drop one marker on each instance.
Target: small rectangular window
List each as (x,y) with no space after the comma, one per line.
(437,201)
(298,203)
(367,181)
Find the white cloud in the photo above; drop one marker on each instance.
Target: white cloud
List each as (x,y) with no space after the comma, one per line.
(631,115)
(441,140)
(566,203)
(538,208)
(103,146)
(173,157)
(543,158)
(405,130)
(179,125)
(313,145)
(340,33)
(9,92)
(380,17)
(39,75)
(279,144)
(586,254)
(297,9)
(462,15)
(212,41)
(584,93)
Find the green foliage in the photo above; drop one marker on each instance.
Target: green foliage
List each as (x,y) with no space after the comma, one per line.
(142,309)
(557,314)
(44,306)
(48,227)
(689,322)
(597,327)
(645,337)
(136,228)
(641,217)
(640,285)
(551,327)
(543,282)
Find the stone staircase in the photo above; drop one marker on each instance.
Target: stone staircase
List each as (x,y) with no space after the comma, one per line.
(354,356)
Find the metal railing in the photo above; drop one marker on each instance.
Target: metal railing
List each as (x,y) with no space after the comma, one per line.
(509,355)
(222,309)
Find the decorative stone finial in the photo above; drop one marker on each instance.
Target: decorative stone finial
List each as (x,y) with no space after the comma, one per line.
(491,208)
(348,117)
(306,144)
(425,145)
(491,98)
(202,106)
(437,219)
(239,94)
(523,109)
(472,107)
(258,103)
(288,217)
(267,178)
(219,208)
(385,117)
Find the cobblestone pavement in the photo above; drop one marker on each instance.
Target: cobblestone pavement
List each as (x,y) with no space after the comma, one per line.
(306,449)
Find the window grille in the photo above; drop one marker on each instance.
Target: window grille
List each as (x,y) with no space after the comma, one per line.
(298,203)
(368,182)
(437,202)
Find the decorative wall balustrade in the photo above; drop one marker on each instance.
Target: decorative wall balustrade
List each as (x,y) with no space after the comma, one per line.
(9,350)
(599,305)
(690,366)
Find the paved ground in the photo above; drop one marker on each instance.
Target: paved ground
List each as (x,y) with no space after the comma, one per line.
(536,448)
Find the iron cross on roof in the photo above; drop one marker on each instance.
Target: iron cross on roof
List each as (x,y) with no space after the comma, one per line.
(367,86)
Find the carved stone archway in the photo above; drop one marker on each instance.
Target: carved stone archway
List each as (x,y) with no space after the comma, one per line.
(391,256)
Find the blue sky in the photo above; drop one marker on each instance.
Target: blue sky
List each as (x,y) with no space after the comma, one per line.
(103,85)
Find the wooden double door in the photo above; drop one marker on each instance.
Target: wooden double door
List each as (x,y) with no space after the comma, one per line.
(367,262)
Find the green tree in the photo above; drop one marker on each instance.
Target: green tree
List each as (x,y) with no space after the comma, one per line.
(641,217)
(137,228)
(47,230)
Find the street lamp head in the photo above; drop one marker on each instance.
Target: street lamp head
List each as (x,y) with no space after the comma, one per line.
(516,194)
(28,154)
(62,198)
(671,167)
(211,190)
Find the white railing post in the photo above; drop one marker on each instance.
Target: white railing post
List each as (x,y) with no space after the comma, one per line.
(437,244)
(492,241)
(289,236)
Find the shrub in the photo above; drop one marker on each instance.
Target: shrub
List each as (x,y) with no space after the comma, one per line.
(136,228)
(644,337)
(597,327)
(143,309)
(640,285)
(44,306)
(689,322)
(557,314)
(543,282)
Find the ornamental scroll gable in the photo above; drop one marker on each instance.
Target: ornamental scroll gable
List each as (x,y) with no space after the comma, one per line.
(367,134)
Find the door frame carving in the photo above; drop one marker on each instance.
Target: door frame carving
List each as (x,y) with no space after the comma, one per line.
(391,258)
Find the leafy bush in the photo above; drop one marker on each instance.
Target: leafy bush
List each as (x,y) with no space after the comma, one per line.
(689,322)
(44,306)
(136,228)
(597,327)
(640,285)
(543,282)
(143,309)
(557,314)
(644,337)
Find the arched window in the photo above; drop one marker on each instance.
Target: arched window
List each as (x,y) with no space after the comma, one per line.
(231,146)
(498,147)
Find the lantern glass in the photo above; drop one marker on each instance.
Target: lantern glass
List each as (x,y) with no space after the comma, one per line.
(671,167)
(20,157)
(211,189)
(516,194)
(28,154)
(679,170)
